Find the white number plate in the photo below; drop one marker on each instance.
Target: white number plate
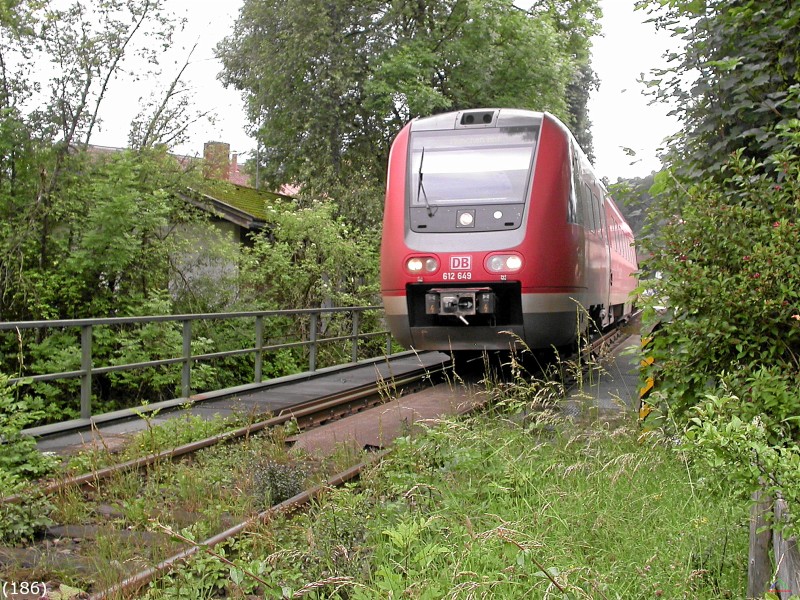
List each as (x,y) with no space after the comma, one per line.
(461,275)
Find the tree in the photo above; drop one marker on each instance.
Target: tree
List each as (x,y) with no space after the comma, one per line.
(303,66)
(308,258)
(165,121)
(44,190)
(729,190)
(578,20)
(635,200)
(737,80)
(329,84)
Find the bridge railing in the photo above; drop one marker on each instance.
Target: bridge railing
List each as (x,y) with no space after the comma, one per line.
(312,339)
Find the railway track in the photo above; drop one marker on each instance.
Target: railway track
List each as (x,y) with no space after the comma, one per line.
(307,415)
(33,563)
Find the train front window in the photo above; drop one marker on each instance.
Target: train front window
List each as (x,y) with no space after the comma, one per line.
(479,166)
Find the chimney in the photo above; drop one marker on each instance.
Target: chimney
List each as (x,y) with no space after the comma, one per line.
(234,163)
(216,161)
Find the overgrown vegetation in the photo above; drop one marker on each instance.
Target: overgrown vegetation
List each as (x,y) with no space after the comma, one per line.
(20,461)
(132,514)
(89,233)
(490,507)
(724,237)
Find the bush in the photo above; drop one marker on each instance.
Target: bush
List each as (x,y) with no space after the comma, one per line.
(727,356)
(728,254)
(20,461)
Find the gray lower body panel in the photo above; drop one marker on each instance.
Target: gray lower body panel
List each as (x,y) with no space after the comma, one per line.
(547,320)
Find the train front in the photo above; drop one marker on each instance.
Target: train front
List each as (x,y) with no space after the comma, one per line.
(454,253)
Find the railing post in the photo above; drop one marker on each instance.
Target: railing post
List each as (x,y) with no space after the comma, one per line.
(356,326)
(186,372)
(388,344)
(259,346)
(86,367)
(312,351)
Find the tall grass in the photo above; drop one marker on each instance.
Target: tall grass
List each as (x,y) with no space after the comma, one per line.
(513,503)
(489,508)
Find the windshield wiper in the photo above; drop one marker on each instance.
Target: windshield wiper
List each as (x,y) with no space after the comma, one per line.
(421,187)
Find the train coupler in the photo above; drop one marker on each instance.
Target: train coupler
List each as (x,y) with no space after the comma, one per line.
(460,302)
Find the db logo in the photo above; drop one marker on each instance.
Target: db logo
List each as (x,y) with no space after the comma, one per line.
(460,263)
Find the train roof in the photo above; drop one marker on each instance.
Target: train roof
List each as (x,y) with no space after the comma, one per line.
(478,118)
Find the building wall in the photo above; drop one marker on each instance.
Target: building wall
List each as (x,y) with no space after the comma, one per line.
(209,262)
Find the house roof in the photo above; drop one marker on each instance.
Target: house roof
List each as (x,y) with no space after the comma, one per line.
(236,175)
(242,205)
(233,200)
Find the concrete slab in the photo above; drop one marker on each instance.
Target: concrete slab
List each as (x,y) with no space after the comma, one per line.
(379,426)
(269,397)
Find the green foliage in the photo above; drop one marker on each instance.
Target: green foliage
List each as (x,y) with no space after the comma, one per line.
(22,522)
(727,247)
(20,461)
(749,453)
(578,20)
(729,259)
(85,232)
(303,65)
(202,579)
(736,80)
(484,508)
(309,258)
(496,508)
(275,481)
(19,457)
(635,201)
(111,249)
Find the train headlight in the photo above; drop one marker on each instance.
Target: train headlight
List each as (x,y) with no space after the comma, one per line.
(504,263)
(420,264)
(466,218)
(514,263)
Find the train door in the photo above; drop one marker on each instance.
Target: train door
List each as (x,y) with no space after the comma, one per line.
(578,212)
(596,254)
(578,208)
(602,260)
(606,316)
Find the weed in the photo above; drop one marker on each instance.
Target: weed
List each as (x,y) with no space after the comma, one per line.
(23,521)
(70,506)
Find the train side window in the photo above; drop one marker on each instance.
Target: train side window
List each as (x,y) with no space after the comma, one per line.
(574,207)
(602,219)
(598,214)
(589,210)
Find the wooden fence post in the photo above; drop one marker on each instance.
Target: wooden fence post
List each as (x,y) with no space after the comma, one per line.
(759,566)
(787,557)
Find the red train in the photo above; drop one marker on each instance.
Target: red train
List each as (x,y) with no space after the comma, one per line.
(495,224)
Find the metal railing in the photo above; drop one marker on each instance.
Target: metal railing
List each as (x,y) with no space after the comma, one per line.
(87,326)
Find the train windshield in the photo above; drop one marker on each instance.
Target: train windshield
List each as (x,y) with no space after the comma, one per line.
(471,166)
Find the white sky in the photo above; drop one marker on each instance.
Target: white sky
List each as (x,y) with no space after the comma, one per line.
(619,112)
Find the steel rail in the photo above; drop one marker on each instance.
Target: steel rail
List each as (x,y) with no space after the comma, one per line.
(142,578)
(304,412)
